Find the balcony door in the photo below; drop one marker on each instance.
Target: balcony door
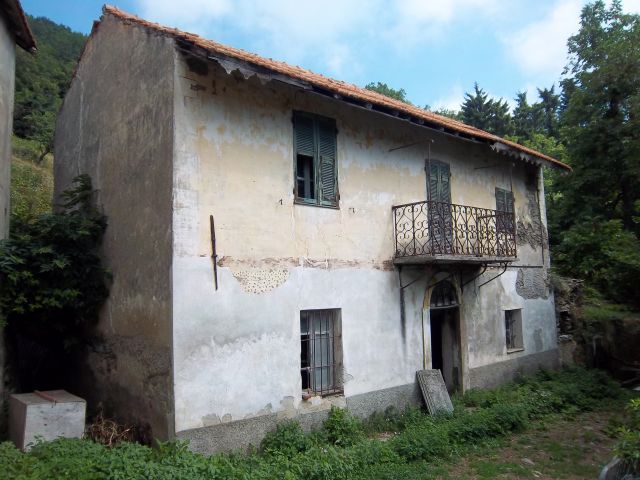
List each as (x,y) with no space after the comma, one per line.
(440,217)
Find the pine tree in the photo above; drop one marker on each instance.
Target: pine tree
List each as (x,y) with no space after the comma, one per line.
(479,111)
(549,108)
(476,109)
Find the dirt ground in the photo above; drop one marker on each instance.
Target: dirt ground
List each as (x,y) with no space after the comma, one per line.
(569,449)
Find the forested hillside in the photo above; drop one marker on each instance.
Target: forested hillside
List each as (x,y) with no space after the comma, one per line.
(43,79)
(41,82)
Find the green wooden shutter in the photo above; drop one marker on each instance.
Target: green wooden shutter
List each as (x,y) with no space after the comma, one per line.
(445,183)
(327,165)
(305,135)
(504,200)
(504,203)
(440,182)
(501,200)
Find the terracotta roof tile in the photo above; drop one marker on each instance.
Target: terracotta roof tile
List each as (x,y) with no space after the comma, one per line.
(338,87)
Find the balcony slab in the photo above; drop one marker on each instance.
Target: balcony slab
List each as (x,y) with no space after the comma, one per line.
(452,259)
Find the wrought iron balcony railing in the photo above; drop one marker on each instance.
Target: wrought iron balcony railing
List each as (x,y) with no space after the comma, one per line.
(436,229)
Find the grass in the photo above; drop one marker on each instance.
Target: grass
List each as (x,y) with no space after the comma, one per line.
(489,435)
(558,448)
(31,182)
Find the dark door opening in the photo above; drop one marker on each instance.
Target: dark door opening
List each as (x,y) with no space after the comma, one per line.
(436,339)
(445,345)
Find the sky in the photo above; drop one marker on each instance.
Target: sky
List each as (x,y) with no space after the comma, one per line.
(434,49)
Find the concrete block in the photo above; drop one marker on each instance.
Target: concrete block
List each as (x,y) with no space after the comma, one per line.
(47,415)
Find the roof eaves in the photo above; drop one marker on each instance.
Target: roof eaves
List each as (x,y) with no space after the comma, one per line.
(19,25)
(336,88)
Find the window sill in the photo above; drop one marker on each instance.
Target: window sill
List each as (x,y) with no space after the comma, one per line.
(514,350)
(310,396)
(299,201)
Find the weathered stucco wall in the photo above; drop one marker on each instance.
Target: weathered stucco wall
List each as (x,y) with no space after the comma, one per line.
(116,124)
(7,83)
(237,349)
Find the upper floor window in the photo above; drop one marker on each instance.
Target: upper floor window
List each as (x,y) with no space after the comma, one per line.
(316,169)
(504,207)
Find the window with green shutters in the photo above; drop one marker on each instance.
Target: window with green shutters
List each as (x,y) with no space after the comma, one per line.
(439,178)
(315,162)
(504,208)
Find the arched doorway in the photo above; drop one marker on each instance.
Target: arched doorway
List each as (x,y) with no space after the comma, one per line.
(444,319)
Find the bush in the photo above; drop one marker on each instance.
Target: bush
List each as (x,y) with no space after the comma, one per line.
(53,285)
(511,418)
(628,446)
(392,420)
(288,439)
(424,442)
(476,425)
(52,277)
(342,428)
(605,254)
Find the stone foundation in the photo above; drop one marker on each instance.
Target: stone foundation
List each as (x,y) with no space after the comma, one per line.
(495,374)
(242,434)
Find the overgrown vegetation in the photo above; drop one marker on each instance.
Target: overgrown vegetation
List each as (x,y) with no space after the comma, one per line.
(53,282)
(414,441)
(42,81)
(31,181)
(628,447)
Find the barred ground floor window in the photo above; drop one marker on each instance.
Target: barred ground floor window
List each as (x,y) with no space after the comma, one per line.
(321,351)
(513,330)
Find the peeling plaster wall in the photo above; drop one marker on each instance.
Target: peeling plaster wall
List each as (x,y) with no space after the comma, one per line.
(7,84)
(237,349)
(116,125)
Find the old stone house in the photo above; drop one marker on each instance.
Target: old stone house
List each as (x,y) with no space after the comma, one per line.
(14,30)
(281,242)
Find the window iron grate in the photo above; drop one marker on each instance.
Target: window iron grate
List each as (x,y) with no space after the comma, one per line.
(320,356)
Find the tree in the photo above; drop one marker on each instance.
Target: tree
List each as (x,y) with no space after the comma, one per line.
(548,110)
(387,91)
(601,122)
(596,220)
(486,114)
(53,285)
(476,108)
(500,120)
(446,112)
(527,119)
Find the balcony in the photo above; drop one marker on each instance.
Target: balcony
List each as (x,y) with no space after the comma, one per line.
(436,232)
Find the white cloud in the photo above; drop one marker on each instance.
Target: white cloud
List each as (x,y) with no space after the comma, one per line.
(540,47)
(289,30)
(452,100)
(337,33)
(414,21)
(192,15)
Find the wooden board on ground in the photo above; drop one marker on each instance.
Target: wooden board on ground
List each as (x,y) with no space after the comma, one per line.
(434,391)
